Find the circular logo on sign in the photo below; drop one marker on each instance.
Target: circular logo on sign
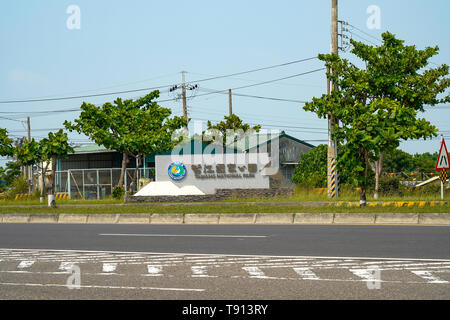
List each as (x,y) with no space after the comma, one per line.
(177,171)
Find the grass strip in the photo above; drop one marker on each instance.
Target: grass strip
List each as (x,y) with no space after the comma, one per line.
(221,208)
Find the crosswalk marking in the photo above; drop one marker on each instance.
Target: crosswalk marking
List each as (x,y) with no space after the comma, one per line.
(427,275)
(306,274)
(200,272)
(25,264)
(367,274)
(300,268)
(155,271)
(66,266)
(109,267)
(255,272)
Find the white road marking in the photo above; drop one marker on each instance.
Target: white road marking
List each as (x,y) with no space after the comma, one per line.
(306,274)
(365,274)
(427,275)
(28,251)
(66,265)
(109,267)
(98,287)
(200,272)
(154,271)
(25,264)
(255,272)
(178,235)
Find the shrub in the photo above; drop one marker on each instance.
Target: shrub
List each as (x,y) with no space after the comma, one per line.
(118,192)
(389,185)
(19,185)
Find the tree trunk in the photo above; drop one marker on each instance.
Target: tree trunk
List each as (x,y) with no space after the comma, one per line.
(377,168)
(362,196)
(125,161)
(135,177)
(43,171)
(43,182)
(364,157)
(51,193)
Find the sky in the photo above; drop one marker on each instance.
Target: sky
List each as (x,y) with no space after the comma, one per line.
(131,45)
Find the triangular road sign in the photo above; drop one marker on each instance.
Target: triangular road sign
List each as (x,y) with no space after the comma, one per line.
(443,162)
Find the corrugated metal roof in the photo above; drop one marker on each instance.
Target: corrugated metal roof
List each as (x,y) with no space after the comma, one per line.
(254,140)
(91,148)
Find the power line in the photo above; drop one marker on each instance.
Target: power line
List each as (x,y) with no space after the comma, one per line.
(255,96)
(355,34)
(253,80)
(6,118)
(215,92)
(367,34)
(261,83)
(152,88)
(255,70)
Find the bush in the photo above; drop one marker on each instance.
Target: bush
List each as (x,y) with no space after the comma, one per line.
(19,185)
(389,185)
(431,189)
(118,192)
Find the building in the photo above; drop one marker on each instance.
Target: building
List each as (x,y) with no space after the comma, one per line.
(93,171)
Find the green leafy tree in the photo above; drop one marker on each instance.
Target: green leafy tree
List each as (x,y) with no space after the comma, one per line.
(6,147)
(133,128)
(398,161)
(311,170)
(54,146)
(8,174)
(27,152)
(378,106)
(231,129)
(425,162)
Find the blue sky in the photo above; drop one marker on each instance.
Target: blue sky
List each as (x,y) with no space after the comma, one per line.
(125,45)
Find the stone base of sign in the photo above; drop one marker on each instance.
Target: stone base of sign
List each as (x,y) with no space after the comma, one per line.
(221,194)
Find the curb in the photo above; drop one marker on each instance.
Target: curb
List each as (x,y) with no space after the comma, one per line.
(386,218)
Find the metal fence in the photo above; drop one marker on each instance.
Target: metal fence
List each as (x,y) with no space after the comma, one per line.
(98,183)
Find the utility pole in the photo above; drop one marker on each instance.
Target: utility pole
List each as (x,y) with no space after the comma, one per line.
(183,95)
(183,86)
(230,104)
(29,168)
(332,174)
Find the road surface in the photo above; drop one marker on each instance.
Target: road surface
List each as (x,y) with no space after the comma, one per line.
(223,262)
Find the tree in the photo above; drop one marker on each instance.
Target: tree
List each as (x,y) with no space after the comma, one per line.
(9,174)
(27,152)
(425,162)
(133,128)
(398,161)
(6,148)
(56,145)
(378,106)
(231,129)
(311,170)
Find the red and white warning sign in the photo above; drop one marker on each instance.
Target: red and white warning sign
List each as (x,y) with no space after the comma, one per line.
(443,162)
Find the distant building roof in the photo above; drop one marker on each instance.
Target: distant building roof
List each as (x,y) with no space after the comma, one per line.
(195,145)
(254,140)
(91,148)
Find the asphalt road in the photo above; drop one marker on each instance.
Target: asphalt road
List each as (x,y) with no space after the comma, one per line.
(223,262)
(329,241)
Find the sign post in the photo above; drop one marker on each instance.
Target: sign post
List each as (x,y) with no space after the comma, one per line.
(443,164)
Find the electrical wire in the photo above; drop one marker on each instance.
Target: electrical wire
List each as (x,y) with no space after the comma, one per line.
(147,89)
(362,31)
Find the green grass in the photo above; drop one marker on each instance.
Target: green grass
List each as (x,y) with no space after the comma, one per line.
(235,205)
(218,208)
(302,194)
